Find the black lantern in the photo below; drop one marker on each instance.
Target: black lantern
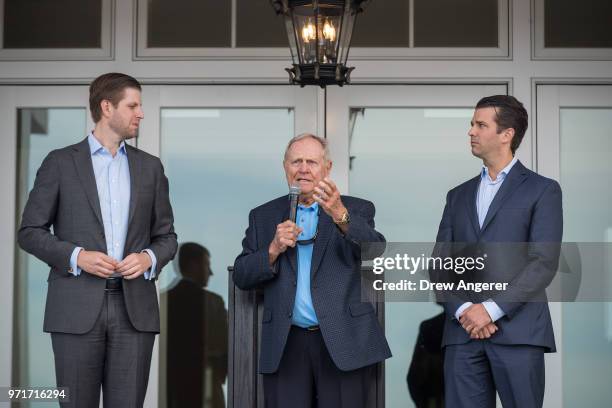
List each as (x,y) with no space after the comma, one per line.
(319,34)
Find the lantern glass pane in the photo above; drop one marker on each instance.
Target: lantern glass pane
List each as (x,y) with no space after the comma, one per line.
(305,26)
(293,45)
(327,35)
(346,31)
(318,31)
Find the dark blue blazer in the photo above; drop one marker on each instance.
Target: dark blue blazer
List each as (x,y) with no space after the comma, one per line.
(350,329)
(527,208)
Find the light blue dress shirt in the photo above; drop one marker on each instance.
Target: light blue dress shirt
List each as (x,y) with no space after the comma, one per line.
(113,183)
(486,193)
(303,311)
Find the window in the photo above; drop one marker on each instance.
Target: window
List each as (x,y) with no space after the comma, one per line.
(564,29)
(390,29)
(56,29)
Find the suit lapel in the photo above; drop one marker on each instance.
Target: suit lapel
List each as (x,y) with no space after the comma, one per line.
(471,204)
(516,176)
(85,172)
(135,164)
(326,227)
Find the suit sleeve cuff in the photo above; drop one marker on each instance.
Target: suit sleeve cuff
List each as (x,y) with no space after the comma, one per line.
(461,309)
(494,311)
(74,269)
(150,274)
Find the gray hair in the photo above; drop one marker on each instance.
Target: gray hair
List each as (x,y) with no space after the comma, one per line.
(302,136)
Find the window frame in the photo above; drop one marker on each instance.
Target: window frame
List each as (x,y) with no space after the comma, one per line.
(502,52)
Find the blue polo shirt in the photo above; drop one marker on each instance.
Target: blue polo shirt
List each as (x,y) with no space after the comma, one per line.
(303,311)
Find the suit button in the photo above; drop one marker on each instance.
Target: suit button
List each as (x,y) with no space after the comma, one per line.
(290,315)
(294,283)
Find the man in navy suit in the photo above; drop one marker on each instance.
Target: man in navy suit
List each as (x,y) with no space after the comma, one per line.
(319,342)
(498,343)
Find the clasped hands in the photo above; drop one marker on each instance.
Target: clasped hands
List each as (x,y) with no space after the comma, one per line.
(477,322)
(102,265)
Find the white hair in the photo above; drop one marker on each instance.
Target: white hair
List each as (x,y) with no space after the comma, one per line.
(302,136)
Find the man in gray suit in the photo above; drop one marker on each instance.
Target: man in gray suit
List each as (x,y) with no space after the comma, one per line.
(112,234)
(319,342)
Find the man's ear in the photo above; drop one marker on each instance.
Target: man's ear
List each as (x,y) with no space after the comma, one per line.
(508,135)
(106,107)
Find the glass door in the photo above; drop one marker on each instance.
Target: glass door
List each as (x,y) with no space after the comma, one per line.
(222,149)
(403,147)
(574,146)
(35,120)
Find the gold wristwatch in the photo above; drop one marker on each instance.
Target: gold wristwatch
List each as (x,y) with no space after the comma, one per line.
(345,219)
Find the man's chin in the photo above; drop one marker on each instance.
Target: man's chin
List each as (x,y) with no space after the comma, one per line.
(306,192)
(306,185)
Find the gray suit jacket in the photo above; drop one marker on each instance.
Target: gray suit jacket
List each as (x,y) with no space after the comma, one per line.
(65,197)
(350,329)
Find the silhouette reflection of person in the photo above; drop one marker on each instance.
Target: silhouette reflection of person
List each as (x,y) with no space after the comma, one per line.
(426,374)
(197,335)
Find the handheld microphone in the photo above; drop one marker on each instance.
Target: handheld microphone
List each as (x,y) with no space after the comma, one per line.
(294,194)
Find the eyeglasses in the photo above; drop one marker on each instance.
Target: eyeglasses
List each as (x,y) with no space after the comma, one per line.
(312,239)
(309,240)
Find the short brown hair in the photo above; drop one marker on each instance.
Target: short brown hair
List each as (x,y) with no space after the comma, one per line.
(509,113)
(109,87)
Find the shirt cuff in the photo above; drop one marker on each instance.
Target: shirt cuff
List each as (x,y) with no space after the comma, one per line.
(74,269)
(150,274)
(461,309)
(494,311)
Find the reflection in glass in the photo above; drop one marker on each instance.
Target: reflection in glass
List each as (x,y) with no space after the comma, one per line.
(196,334)
(405,160)
(220,163)
(39,131)
(585,170)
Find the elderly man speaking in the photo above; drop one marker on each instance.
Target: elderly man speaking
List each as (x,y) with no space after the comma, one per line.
(319,341)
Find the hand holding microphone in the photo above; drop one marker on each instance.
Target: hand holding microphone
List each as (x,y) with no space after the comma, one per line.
(287,231)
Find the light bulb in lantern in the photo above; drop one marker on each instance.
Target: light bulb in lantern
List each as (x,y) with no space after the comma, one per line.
(308,32)
(329,32)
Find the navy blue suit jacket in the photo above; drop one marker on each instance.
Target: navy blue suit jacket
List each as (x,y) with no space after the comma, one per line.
(350,329)
(527,208)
